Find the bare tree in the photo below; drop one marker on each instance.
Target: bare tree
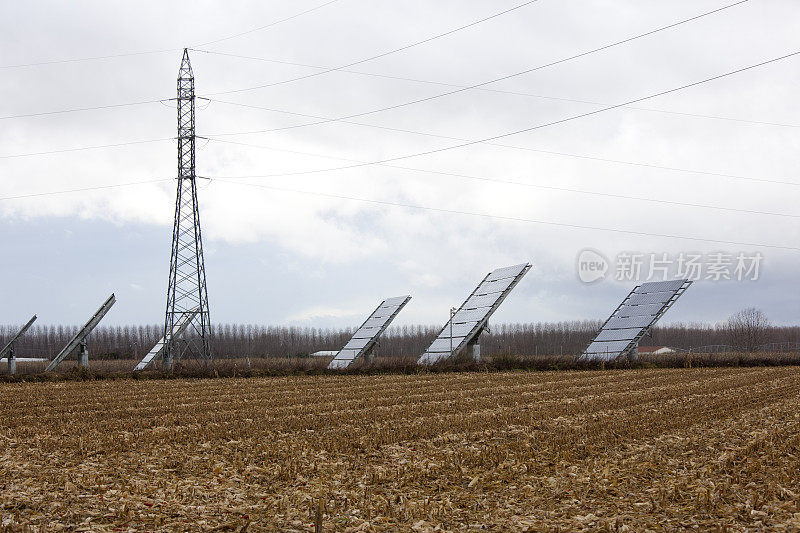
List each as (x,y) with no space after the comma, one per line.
(542,338)
(748,329)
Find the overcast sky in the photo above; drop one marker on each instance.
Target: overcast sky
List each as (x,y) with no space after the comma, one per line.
(301,253)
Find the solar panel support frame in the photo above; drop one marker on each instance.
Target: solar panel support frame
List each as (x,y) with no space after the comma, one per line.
(9,348)
(631,351)
(79,340)
(473,338)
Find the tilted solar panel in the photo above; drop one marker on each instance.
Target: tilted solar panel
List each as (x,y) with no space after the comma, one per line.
(80,337)
(365,337)
(651,298)
(639,311)
(660,286)
(9,345)
(628,322)
(470,319)
(617,334)
(177,330)
(610,349)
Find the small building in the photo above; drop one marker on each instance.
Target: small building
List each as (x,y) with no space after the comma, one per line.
(655,350)
(324,353)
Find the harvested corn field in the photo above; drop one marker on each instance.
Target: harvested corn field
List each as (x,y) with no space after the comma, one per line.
(619,450)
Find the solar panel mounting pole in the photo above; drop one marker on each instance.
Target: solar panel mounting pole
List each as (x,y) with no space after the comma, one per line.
(474,349)
(186,291)
(10,347)
(83,355)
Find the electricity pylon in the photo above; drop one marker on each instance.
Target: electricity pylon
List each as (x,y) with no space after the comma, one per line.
(187,297)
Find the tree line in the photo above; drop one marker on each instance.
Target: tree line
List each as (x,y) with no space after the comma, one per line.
(542,338)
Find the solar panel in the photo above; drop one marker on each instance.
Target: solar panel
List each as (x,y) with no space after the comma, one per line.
(364,339)
(9,347)
(639,311)
(469,321)
(177,330)
(80,338)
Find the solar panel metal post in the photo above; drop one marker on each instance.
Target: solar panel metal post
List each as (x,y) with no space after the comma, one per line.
(186,290)
(10,347)
(633,355)
(369,357)
(83,355)
(474,349)
(79,340)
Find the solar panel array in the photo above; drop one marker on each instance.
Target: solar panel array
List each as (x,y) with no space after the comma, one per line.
(639,311)
(470,319)
(366,336)
(177,330)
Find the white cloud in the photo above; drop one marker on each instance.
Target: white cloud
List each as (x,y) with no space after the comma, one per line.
(428,250)
(310,315)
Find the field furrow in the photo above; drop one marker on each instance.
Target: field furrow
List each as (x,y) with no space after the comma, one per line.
(659,449)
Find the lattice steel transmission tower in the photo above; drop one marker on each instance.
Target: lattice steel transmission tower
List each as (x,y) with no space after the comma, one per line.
(187,298)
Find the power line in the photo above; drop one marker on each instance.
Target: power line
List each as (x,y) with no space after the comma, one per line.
(475,86)
(465,143)
(77,109)
(487,140)
(509,146)
(460,88)
(519,183)
(164,50)
(418,207)
(551,123)
(251,31)
(91,58)
(489,89)
(82,148)
(383,54)
(271,24)
(482,84)
(82,189)
(509,218)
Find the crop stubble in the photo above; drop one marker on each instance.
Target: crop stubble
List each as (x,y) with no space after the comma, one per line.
(630,449)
